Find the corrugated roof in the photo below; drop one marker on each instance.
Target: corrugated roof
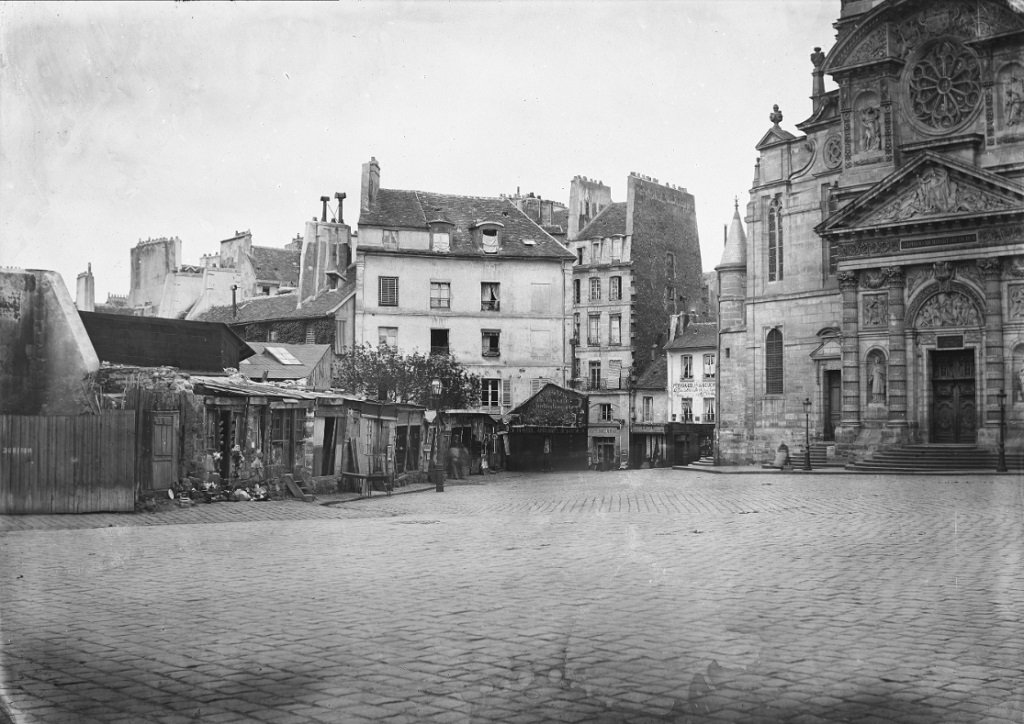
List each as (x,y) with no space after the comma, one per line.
(276,265)
(414,209)
(308,355)
(611,221)
(696,334)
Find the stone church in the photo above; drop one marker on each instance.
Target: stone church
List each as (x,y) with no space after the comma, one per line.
(881,275)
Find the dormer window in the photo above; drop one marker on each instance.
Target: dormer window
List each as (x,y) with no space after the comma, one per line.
(488,234)
(441,236)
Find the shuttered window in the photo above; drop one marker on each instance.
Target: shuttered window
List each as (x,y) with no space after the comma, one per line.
(387,291)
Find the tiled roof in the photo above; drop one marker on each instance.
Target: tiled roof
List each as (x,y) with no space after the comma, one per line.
(654,377)
(696,334)
(394,207)
(611,221)
(281,306)
(414,209)
(276,265)
(309,355)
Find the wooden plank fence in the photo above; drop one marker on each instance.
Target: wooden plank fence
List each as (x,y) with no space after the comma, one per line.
(67,463)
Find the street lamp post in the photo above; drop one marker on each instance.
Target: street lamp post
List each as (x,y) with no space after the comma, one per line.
(1001,466)
(807,433)
(436,471)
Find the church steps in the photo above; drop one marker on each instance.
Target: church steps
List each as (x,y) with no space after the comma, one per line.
(929,458)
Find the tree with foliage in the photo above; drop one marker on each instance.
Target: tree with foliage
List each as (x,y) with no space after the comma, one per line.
(385,374)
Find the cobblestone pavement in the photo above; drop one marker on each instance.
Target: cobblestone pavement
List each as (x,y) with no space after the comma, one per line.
(640,596)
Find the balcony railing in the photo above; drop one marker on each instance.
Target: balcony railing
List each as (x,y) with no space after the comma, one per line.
(610,384)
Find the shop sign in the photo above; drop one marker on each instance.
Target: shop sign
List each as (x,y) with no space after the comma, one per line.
(690,387)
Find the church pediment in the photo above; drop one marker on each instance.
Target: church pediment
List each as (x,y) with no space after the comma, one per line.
(774,136)
(829,349)
(892,30)
(929,190)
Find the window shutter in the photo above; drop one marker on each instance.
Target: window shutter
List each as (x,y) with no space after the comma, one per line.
(387,294)
(506,393)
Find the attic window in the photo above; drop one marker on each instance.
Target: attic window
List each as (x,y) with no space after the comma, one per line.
(282,356)
(530,242)
(489,240)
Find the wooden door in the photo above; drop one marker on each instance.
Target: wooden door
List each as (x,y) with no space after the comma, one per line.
(833,403)
(954,404)
(165,449)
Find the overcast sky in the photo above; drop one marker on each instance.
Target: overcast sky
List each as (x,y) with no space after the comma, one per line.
(125,121)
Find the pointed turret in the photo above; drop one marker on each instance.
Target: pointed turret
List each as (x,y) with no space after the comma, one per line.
(732,274)
(735,241)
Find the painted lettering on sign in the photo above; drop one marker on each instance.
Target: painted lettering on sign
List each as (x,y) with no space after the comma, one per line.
(689,388)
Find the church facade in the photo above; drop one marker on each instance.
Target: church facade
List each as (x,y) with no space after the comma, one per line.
(880,280)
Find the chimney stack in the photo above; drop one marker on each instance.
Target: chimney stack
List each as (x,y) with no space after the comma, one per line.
(341,199)
(323,201)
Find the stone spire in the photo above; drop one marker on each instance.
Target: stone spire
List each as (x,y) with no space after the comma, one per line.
(735,253)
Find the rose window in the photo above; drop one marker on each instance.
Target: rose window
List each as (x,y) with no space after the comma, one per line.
(944,85)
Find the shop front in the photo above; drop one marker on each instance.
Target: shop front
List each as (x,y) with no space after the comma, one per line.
(549,431)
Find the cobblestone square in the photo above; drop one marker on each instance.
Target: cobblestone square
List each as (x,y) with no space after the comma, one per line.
(635,596)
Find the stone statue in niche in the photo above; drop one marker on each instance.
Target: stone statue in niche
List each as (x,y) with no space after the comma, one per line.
(870,129)
(877,377)
(876,307)
(1020,382)
(1013,100)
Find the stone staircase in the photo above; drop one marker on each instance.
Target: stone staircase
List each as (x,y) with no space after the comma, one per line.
(708,461)
(930,459)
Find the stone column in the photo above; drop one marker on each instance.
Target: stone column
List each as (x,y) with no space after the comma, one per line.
(995,379)
(896,385)
(850,419)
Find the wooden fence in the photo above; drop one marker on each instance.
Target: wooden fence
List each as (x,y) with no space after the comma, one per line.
(67,464)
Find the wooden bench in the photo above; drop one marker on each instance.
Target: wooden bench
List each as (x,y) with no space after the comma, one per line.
(366,481)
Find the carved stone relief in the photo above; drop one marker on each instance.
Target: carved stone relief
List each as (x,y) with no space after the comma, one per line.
(935,193)
(873,278)
(943,271)
(1015,301)
(914,279)
(938,18)
(947,309)
(832,153)
(872,47)
(1016,266)
(875,310)
(990,268)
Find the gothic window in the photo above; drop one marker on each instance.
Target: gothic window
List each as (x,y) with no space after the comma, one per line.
(775,241)
(773,362)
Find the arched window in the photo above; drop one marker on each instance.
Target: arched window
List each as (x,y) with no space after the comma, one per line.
(773,363)
(775,240)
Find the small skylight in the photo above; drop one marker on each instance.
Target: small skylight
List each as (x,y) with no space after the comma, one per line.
(530,242)
(282,355)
